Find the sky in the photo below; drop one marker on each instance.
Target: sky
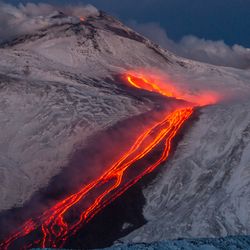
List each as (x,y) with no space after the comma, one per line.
(227,20)
(213,31)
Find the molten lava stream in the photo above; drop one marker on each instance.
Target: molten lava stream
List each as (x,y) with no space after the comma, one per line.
(141,82)
(54,227)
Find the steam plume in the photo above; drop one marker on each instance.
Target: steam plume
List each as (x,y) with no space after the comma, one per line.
(30,17)
(213,52)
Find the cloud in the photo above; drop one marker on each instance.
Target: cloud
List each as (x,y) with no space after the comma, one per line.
(29,17)
(213,52)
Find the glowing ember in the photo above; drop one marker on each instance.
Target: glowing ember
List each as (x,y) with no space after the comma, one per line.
(82,19)
(55,225)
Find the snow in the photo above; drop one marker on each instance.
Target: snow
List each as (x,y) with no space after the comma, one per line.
(227,243)
(58,88)
(42,122)
(203,191)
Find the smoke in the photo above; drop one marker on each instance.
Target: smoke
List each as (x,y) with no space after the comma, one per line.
(27,18)
(191,47)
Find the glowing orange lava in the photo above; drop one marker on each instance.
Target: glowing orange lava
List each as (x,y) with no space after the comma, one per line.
(54,225)
(157,84)
(141,82)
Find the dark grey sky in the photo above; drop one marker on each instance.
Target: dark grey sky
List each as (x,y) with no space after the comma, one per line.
(227,20)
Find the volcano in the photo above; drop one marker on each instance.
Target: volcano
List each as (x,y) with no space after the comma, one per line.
(93,87)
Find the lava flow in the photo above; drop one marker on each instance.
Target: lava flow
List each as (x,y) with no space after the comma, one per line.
(158,84)
(141,82)
(56,224)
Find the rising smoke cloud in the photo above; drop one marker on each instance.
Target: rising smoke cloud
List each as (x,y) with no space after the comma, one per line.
(27,18)
(191,47)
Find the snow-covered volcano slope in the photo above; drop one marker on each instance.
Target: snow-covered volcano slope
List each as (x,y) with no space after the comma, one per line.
(57,88)
(226,243)
(204,190)
(43,122)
